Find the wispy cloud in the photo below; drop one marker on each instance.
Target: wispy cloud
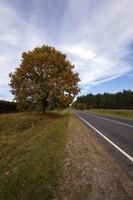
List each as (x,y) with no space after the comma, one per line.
(95,35)
(16,35)
(80,50)
(101,32)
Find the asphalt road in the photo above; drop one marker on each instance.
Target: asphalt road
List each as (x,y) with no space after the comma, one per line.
(115,134)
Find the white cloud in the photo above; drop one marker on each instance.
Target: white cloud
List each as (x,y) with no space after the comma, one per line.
(96,69)
(17,36)
(98,34)
(10,25)
(80,50)
(94,34)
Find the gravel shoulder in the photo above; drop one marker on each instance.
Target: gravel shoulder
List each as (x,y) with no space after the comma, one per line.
(89,173)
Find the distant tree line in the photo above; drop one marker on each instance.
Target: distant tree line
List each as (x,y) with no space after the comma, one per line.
(119,100)
(7,106)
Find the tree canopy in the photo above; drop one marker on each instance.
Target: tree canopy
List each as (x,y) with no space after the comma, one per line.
(44,78)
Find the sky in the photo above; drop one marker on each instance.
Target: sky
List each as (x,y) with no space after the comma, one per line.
(96,36)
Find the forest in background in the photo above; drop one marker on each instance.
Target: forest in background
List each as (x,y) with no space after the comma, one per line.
(119,100)
(8,106)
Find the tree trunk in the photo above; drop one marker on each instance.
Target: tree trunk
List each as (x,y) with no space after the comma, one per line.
(44,105)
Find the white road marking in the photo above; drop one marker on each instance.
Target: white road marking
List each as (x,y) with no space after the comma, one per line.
(118,148)
(110,120)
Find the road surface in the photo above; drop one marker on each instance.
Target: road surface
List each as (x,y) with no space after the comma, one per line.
(115,134)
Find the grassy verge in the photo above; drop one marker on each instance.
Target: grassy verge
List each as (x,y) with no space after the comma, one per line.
(31,154)
(118,113)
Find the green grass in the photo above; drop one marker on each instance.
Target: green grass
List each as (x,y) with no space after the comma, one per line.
(31,154)
(118,113)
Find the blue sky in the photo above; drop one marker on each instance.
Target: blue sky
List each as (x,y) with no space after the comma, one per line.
(96,35)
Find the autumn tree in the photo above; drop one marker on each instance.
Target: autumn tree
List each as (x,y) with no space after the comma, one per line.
(44,78)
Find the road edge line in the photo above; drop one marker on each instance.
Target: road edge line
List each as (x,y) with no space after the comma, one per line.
(118,148)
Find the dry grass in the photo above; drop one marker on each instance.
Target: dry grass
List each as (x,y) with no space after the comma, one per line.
(118,113)
(55,157)
(31,153)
